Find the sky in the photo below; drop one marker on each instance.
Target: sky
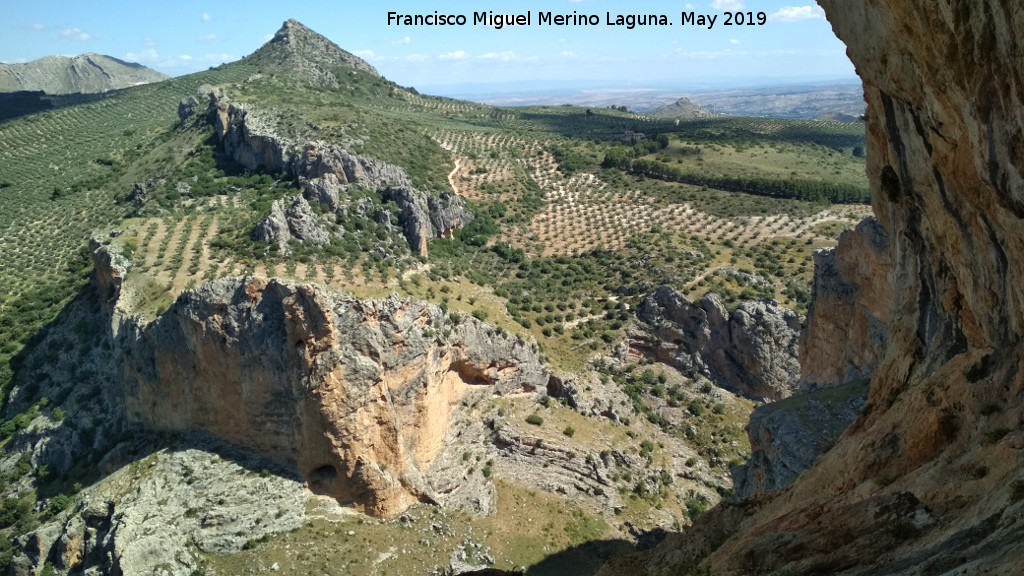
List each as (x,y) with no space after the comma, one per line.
(796,43)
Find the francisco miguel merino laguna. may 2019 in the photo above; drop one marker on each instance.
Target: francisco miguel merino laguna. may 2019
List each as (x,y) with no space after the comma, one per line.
(629,21)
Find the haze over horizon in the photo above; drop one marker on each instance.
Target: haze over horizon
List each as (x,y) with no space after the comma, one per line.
(796,45)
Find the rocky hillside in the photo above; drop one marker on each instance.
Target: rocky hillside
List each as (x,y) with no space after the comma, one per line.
(87,73)
(301,52)
(928,480)
(682,108)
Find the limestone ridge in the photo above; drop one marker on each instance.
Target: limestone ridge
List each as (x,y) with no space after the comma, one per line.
(302,53)
(87,74)
(357,396)
(752,351)
(928,479)
(324,171)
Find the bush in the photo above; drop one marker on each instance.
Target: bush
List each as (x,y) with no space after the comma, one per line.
(696,408)
(695,507)
(480,315)
(569,431)
(534,420)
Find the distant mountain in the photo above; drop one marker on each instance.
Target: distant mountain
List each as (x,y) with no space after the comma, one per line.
(682,108)
(86,74)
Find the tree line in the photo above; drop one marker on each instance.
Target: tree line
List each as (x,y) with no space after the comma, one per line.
(793,188)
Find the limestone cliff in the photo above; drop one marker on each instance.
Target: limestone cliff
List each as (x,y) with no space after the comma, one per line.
(752,351)
(851,308)
(928,480)
(357,396)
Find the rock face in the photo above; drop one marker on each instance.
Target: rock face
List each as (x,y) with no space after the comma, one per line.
(186,503)
(851,308)
(324,171)
(845,338)
(752,351)
(928,480)
(787,436)
(87,73)
(356,396)
(291,219)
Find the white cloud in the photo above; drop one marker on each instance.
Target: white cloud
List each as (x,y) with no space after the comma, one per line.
(797,14)
(457,55)
(148,56)
(206,17)
(507,56)
(206,39)
(149,43)
(184,57)
(37,27)
(76,34)
(401,42)
(417,58)
(366,54)
(267,38)
(734,41)
(728,5)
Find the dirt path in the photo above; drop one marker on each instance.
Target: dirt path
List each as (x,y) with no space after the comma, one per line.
(451,177)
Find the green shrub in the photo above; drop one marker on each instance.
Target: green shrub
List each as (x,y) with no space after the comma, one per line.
(534,419)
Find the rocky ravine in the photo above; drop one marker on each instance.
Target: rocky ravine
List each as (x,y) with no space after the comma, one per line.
(928,480)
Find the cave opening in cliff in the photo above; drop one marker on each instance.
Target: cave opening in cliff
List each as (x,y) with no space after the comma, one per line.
(323,477)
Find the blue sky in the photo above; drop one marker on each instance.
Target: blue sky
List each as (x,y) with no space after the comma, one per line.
(187,35)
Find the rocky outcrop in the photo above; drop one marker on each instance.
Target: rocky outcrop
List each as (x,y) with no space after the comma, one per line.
(291,219)
(787,436)
(928,479)
(183,504)
(325,171)
(752,351)
(851,308)
(356,396)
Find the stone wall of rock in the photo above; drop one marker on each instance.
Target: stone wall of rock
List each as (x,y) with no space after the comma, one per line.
(752,351)
(851,308)
(787,436)
(356,396)
(927,481)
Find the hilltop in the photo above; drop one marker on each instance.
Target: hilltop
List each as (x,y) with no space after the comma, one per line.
(87,74)
(682,108)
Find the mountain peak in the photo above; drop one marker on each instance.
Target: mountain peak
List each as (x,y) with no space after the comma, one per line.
(297,49)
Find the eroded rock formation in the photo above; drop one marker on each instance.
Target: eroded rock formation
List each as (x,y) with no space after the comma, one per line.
(752,351)
(356,396)
(324,171)
(928,480)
